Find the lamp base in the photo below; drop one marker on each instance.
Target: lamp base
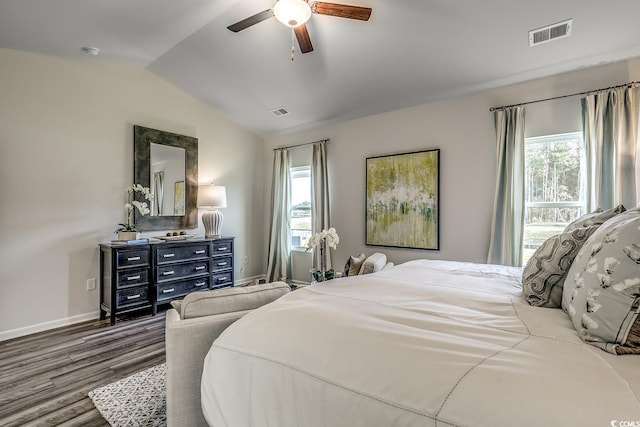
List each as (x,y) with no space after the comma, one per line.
(212,221)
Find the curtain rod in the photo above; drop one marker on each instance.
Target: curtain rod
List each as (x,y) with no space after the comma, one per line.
(300,145)
(630,84)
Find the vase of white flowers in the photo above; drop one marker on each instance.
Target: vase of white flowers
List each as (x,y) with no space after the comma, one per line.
(322,240)
(129,230)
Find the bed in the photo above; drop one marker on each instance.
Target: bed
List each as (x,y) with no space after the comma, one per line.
(424,343)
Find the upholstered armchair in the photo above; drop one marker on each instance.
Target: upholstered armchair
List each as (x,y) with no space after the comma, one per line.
(191,327)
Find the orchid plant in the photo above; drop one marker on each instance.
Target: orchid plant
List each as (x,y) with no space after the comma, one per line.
(323,239)
(133,204)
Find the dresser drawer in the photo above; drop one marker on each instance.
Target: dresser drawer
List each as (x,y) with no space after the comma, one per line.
(177,271)
(132,258)
(221,279)
(172,290)
(132,277)
(182,253)
(220,264)
(224,247)
(132,296)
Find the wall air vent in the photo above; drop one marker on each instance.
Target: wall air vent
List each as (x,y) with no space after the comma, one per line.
(280,111)
(550,32)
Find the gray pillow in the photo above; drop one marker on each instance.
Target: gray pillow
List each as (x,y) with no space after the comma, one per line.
(356,264)
(602,289)
(597,217)
(544,274)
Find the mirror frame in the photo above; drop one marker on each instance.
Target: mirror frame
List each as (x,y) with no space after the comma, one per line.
(142,139)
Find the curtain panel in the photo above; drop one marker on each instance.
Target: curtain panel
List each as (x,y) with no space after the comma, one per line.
(320,199)
(279,258)
(507,224)
(610,128)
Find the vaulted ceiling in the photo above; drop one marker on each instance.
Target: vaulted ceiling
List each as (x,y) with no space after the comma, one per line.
(409,52)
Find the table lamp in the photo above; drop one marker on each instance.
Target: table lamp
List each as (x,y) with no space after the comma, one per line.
(212,197)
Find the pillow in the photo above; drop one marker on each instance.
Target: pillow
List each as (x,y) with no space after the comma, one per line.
(345,270)
(597,217)
(602,289)
(543,276)
(229,300)
(177,304)
(375,262)
(355,264)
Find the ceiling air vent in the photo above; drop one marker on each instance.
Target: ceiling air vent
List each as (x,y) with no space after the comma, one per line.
(280,111)
(550,32)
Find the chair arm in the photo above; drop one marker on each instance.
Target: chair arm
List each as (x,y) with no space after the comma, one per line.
(187,343)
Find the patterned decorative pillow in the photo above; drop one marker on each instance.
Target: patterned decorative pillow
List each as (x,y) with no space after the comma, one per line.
(355,264)
(602,289)
(597,217)
(544,274)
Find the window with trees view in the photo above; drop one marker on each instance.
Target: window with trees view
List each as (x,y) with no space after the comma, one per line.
(300,206)
(554,189)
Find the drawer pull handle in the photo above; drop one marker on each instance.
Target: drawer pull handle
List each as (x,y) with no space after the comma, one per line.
(222,249)
(200,267)
(200,252)
(166,291)
(136,296)
(168,273)
(222,279)
(133,277)
(168,255)
(220,264)
(197,285)
(133,258)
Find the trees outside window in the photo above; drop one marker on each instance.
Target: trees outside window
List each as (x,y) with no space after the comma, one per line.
(554,186)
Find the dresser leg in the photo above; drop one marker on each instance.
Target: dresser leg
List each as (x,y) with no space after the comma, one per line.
(103,314)
(113,318)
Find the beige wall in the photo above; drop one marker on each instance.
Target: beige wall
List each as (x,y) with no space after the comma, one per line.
(67,154)
(463,130)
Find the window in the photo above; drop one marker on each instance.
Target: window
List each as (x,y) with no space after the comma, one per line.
(554,187)
(300,207)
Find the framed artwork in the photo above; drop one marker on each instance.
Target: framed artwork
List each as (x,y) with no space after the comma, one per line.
(178,198)
(403,200)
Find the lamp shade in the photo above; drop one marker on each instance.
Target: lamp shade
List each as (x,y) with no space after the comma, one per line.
(212,196)
(292,12)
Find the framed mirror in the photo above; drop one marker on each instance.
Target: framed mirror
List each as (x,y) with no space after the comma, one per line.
(167,163)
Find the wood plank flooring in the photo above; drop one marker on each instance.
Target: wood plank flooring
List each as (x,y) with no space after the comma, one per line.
(45,377)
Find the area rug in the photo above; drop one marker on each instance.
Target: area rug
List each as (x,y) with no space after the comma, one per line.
(135,401)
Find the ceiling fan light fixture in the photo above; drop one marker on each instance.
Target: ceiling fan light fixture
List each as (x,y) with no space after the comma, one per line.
(292,12)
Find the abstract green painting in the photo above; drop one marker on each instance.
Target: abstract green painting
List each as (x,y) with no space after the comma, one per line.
(403,193)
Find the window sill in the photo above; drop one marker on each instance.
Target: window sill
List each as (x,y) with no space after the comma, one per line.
(299,249)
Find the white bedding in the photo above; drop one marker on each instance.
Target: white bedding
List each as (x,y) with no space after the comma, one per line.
(424,343)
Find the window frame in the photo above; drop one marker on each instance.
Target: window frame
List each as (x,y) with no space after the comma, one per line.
(582,203)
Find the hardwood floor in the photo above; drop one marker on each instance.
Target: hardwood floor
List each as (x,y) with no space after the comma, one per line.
(45,377)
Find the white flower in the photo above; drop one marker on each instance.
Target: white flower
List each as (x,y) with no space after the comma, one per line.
(132,204)
(330,237)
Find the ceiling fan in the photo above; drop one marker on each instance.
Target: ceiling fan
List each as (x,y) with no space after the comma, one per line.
(295,14)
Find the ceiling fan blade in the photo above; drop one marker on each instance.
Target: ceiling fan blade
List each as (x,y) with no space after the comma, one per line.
(303,38)
(252,20)
(341,10)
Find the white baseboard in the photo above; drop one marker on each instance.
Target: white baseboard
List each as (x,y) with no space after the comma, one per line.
(249,280)
(40,327)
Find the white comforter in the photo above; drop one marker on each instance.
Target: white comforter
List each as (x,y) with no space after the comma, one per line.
(422,344)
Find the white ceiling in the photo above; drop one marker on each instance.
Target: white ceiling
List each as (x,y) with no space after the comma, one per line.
(409,52)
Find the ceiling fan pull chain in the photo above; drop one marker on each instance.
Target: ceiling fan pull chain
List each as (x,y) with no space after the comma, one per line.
(293,45)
